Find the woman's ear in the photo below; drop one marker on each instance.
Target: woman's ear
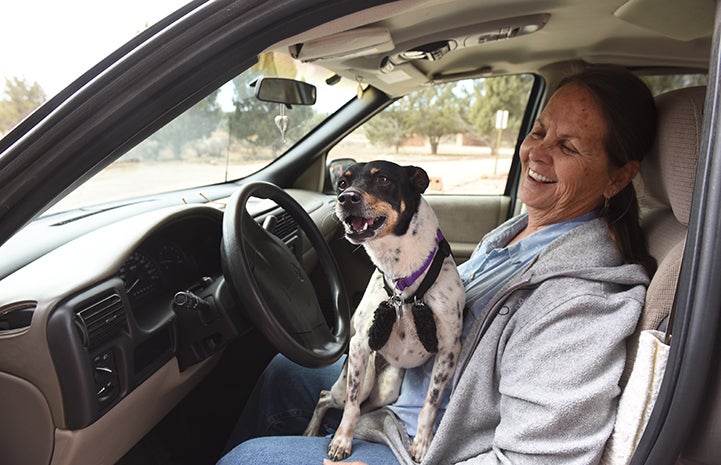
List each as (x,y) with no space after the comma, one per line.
(620,177)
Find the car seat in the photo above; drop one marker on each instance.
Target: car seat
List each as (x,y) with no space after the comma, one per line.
(665,189)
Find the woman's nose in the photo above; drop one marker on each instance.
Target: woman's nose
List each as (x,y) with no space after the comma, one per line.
(539,150)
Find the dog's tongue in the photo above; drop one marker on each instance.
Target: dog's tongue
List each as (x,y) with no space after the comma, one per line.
(359,224)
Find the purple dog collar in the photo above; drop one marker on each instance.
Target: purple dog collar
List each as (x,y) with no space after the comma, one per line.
(403,283)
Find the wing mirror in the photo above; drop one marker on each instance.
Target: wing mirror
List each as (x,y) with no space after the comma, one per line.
(334,170)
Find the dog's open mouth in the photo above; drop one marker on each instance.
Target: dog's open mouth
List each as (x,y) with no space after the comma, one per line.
(361,228)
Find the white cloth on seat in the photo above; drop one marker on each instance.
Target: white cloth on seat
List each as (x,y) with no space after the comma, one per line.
(638,398)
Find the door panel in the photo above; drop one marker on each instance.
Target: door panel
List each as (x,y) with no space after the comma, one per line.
(465,219)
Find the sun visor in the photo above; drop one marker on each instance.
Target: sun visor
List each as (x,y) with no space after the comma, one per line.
(347,44)
(680,20)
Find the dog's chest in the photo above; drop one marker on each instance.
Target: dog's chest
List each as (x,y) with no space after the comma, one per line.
(403,348)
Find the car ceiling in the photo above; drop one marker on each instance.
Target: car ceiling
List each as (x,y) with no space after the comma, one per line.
(637,33)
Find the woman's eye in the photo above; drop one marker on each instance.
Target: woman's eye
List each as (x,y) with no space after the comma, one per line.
(568,149)
(382,180)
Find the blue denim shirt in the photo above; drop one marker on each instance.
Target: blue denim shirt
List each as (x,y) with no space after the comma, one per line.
(489,268)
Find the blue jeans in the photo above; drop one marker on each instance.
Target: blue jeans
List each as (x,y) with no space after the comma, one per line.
(301,450)
(281,404)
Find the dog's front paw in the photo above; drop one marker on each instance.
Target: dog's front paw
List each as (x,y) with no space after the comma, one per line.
(340,447)
(420,446)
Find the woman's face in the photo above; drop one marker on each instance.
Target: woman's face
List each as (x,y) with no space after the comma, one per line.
(565,167)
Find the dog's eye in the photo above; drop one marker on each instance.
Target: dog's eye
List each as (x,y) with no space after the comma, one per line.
(382,180)
(342,184)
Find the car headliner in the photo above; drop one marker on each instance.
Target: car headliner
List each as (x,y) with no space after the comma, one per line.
(620,32)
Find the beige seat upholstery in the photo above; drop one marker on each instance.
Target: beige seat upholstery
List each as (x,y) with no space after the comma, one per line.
(665,188)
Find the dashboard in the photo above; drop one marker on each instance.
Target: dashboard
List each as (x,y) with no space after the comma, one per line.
(106,333)
(106,340)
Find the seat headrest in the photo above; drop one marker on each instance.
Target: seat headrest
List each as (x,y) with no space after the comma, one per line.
(669,170)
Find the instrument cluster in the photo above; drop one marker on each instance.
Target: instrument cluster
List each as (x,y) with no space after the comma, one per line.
(173,259)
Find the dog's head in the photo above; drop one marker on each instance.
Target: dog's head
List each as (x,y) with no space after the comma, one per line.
(378,198)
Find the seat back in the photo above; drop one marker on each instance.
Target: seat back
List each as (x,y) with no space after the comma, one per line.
(665,189)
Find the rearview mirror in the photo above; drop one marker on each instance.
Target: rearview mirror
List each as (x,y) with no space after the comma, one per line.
(287,91)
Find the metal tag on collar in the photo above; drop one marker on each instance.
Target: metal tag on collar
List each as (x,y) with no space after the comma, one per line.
(397,302)
(418,303)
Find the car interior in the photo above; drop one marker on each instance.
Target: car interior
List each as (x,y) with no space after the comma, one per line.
(132,330)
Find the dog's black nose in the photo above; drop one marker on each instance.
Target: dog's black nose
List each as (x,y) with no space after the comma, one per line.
(349,195)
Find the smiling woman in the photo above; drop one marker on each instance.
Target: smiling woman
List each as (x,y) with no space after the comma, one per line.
(566,166)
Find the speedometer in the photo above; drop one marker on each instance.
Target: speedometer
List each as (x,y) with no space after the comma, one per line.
(140,275)
(170,257)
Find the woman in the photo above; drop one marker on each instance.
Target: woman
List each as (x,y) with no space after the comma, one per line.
(552,296)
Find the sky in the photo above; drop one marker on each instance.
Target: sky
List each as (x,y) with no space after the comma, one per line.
(52,42)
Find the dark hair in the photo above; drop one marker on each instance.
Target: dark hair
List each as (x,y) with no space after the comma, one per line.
(629,110)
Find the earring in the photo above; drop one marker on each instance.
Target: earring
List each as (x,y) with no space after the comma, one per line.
(604,209)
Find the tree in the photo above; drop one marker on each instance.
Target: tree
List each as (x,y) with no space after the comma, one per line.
(19,100)
(390,127)
(498,93)
(250,122)
(253,122)
(434,112)
(196,123)
(664,83)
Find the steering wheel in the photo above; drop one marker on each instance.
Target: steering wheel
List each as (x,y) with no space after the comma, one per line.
(273,287)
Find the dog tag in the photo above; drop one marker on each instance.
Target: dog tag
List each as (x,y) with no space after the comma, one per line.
(397,302)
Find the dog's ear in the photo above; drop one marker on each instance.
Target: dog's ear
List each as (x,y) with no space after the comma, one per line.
(418,178)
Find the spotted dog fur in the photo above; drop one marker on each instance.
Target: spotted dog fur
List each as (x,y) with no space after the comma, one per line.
(381,207)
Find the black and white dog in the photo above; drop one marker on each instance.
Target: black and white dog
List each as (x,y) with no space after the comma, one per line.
(412,308)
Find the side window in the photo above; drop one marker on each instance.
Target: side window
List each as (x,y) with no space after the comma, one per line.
(462,133)
(665,83)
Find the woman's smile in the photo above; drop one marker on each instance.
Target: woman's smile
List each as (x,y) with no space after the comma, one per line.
(538,177)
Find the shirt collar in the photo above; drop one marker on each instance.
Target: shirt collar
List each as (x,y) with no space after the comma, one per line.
(501,237)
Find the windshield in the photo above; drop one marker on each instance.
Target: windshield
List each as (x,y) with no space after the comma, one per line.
(47,44)
(226,136)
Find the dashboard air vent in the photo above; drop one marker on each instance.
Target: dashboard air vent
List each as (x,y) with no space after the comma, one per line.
(101,321)
(285,227)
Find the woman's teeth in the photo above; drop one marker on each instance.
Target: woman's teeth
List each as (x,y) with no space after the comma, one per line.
(538,177)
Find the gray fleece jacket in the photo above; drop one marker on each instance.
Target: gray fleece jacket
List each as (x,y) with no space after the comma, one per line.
(539,382)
